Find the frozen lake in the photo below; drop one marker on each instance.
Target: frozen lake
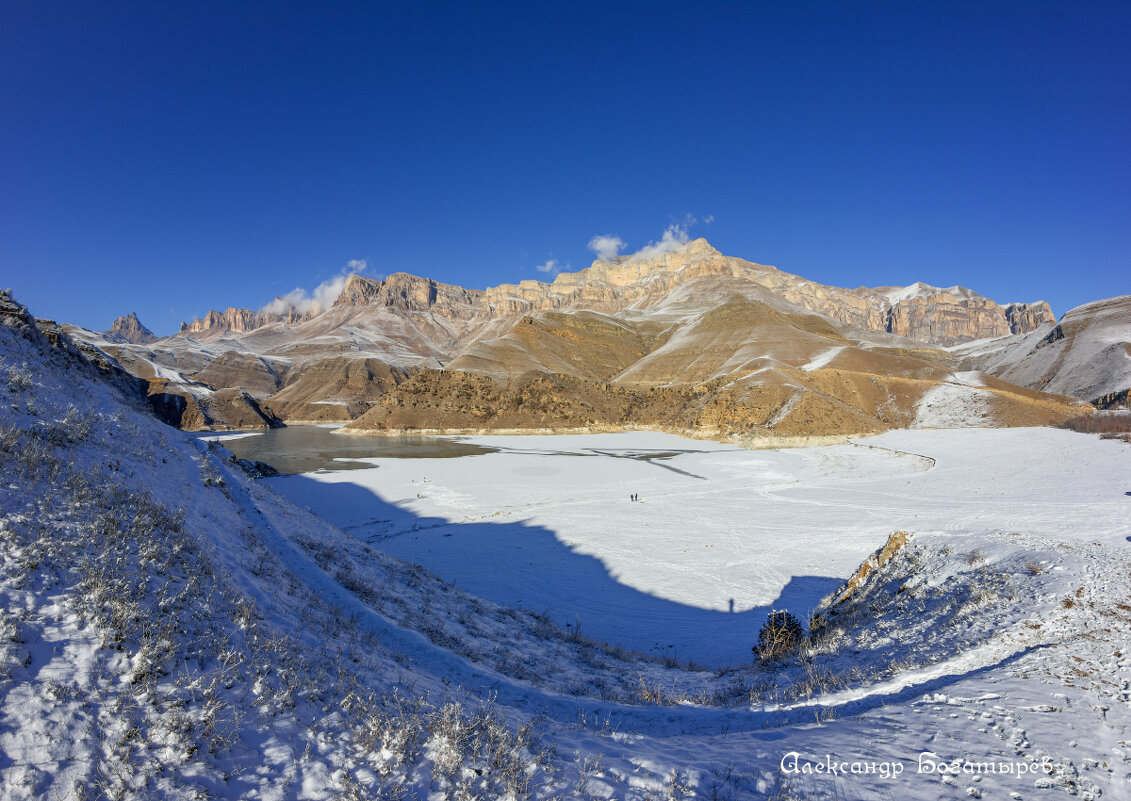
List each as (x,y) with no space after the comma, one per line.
(720,535)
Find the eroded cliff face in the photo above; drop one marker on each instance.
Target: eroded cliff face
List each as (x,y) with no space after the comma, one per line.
(233,320)
(411,293)
(947,319)
(1026,317)
(223,409)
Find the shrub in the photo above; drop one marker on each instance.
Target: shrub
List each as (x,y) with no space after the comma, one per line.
(779,635)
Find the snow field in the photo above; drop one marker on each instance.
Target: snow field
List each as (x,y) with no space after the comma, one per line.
(720,534)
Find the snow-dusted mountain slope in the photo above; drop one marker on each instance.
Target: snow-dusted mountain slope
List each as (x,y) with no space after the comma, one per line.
(1086,355)
(173,629)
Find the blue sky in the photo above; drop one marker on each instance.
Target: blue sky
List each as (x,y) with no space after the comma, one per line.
(169,158)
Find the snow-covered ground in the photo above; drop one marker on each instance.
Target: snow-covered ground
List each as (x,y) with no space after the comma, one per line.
(171,628)
(720,535)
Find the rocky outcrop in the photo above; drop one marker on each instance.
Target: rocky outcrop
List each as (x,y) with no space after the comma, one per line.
(949,316)
(218,410)
(401,291)
(75,352)
(1026,317)
(129,329)
(232,319)
(946,318)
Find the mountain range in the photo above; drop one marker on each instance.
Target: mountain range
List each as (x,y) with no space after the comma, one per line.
(689,340)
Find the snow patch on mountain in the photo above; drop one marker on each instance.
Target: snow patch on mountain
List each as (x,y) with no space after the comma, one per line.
(953,405)
(822,359)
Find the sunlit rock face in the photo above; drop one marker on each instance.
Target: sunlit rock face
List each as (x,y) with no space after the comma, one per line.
(129,329)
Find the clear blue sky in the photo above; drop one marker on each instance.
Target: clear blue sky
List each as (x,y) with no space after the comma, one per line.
(169,158)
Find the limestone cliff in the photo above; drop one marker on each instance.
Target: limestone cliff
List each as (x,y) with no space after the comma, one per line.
(239,321)
(1026,317)
(409,293)
(928,314)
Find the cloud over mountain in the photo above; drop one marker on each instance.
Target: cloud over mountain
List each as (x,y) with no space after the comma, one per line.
(606,246)
(609,246)
(299,301)
(675,236)
(551,266)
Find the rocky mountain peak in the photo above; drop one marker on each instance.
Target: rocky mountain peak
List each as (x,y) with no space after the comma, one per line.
(129,329)
(357,291)
(625,270)
(605,281)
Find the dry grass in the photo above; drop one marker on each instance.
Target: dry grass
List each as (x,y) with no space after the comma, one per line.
(1102,422)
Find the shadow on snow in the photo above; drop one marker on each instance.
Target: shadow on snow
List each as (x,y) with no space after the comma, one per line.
(523,565)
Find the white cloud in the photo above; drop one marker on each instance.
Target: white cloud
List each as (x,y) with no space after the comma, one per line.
(299,301)
(606,247)
(551,266)
(675,236)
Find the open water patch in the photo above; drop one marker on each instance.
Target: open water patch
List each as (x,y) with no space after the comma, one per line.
(312,448)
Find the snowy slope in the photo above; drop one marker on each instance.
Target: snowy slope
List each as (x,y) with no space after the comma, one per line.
(173,629)
(1087,355)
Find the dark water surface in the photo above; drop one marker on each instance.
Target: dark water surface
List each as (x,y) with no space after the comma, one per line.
(304,449)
